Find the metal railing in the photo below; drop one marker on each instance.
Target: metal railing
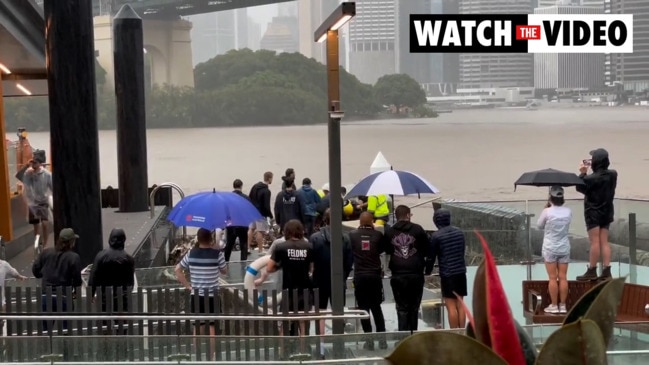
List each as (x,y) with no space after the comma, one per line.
(172,185)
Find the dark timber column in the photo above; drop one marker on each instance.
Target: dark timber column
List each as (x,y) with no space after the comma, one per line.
(74,137)
(128,52)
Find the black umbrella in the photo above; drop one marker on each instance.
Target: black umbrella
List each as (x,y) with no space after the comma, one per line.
(549,177)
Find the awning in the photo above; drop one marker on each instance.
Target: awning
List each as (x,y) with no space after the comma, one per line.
(22,48)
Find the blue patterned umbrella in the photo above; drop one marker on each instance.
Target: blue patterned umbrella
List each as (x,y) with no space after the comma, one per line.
(212,210)
(392,182)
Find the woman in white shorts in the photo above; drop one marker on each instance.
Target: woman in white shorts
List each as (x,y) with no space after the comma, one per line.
(555,223)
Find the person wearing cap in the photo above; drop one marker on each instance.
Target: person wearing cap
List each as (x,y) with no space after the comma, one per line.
(555,223)
(324,191)
(599,194)
(59,267)
(37,182)
(113,268)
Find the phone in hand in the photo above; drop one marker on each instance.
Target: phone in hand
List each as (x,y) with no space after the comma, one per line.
(587,162)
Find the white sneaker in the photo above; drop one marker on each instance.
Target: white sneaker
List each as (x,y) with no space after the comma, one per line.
(562,308)
(553,309)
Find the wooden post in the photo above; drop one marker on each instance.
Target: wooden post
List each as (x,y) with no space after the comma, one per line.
(128,55)
(74,134)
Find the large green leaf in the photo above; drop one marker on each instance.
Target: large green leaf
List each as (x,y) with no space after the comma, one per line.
(600,305)
(577,343)
(529,348)
(479,301)
(436,347)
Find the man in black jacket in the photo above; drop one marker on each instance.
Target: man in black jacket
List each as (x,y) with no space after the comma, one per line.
(113,268)
(367,246)
(448,245)
(242,233)
(599,193)
(260,197)
(288,205)
(321,242)
(408,248)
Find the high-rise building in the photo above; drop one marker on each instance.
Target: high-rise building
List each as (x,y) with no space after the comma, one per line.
(416,65)
(446,66)
(496,70)
(254,35)
(311,13)
(591,3)
(568,70)
(281,35)
(631,69)
(373,40)
(216,33)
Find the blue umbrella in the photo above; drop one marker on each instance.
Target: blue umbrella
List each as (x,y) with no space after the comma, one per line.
(392,182)
(212,210)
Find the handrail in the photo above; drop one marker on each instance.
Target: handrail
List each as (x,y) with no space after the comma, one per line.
(425,202)
(172,185)
(93,317)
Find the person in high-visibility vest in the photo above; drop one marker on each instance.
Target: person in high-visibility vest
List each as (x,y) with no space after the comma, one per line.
(378,206)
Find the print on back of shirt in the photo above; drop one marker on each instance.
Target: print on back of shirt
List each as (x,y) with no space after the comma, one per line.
(404,245)
(296,254)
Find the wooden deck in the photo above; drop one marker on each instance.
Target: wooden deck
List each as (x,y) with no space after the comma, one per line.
(632,306)
(136,225)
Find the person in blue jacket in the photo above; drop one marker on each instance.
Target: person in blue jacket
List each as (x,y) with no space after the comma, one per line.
(310,199)
(448,246)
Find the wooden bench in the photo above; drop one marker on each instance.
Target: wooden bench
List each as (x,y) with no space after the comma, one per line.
(632,306)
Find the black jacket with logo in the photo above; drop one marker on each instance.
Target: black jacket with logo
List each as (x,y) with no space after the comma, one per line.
(288,205)
(408,248)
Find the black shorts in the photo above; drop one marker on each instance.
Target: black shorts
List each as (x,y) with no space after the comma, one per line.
(302,302)
(454,283)
(38,213)
(202,308)
(324,298)
(593,223)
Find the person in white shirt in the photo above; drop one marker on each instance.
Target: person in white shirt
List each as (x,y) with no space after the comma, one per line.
(555,223)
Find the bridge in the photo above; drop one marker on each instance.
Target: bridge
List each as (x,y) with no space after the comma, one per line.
(166,36)
(173,9)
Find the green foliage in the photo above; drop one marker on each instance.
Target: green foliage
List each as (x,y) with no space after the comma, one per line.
(242,88)
(494,337)
(600,305)
(432,347)
(399,90)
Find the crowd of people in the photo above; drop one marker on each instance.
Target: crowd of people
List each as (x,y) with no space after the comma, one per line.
(304,255)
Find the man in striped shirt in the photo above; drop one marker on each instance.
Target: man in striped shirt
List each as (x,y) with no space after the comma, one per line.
(205,263)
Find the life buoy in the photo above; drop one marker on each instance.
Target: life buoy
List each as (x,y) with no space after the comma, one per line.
(274,280)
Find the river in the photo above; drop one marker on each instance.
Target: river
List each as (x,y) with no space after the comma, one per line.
(472,155)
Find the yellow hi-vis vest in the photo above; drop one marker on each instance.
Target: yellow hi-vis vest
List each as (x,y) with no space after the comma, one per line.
(378,204)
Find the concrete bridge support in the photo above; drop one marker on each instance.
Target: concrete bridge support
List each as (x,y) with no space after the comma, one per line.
(167,43)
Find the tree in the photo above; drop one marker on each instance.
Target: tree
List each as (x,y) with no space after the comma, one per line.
(399,90)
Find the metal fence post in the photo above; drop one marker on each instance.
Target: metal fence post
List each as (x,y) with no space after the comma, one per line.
(633,238)
(528,226)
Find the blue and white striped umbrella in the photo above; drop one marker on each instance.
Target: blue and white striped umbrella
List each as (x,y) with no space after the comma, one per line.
(392,182)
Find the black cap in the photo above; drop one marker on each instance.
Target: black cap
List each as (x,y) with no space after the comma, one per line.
(599,151)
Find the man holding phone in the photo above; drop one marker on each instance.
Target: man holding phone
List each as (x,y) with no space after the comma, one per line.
(599,193)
